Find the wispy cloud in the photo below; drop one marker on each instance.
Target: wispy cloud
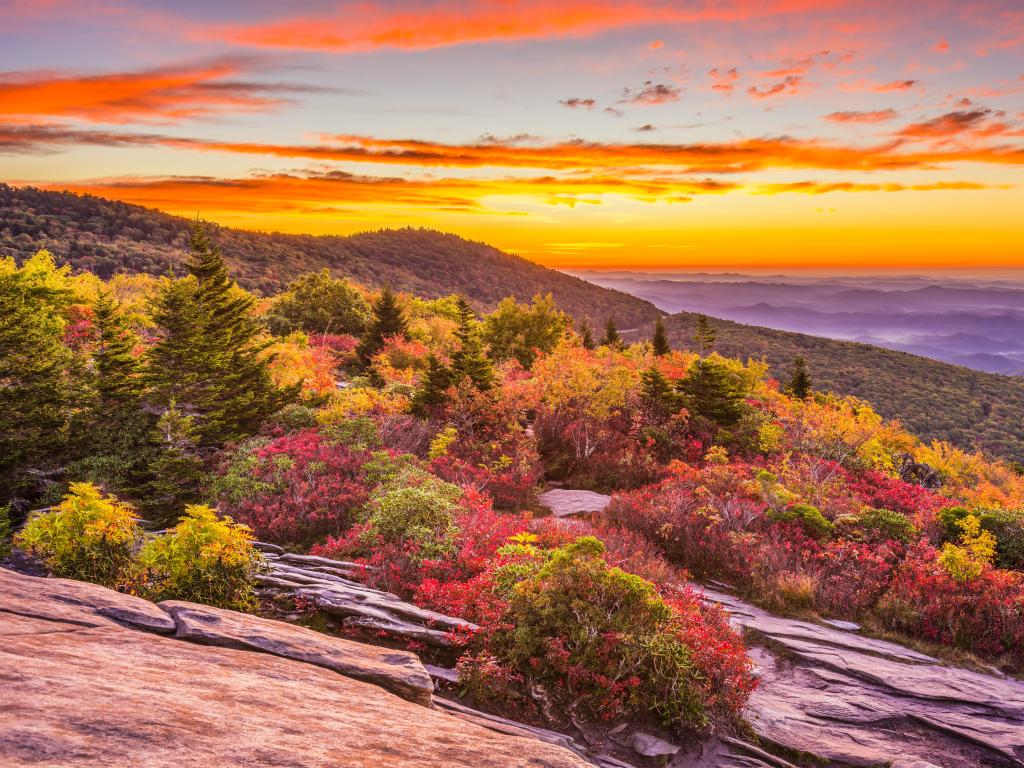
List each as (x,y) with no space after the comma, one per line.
(870,116)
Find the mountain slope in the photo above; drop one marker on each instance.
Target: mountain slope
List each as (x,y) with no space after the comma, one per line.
(107,237)
(934,400)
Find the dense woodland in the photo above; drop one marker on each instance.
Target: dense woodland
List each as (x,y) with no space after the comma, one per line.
(933,400)
(411,436)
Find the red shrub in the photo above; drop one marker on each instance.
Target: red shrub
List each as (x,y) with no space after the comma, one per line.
(984,614)
(296,489)
(512,487)
(882,491)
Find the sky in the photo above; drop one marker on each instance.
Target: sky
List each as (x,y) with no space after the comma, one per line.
(707,134)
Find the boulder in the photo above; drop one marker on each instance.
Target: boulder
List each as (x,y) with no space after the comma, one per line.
(397,671)
(649,745)
(564,502)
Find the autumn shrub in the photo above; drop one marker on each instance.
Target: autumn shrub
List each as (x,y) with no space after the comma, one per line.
(876,525)
(204,559)
(605,642)
(295,489)
(983,614)
(808,517)
(1005,525)
(88,536)
(884,491)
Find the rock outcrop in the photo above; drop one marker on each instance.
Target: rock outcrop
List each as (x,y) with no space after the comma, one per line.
(565,502)
(94,678)
(857,701)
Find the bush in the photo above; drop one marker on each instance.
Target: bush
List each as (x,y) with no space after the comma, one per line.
(293,490)
(5,531)
(88,536)
(604,641)
(422,514)
(876,525)
(203,559)
(809,517)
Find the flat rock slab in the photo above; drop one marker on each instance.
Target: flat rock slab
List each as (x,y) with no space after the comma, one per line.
(77,602)
(858,701)
(397,671)
(80,689)
(564,502)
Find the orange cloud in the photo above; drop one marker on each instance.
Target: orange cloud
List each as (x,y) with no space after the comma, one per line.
(818,188)
(790,85)
(724,79)
(875,116)
(434,25)
(744,155)
(949,124)
(895,85)
(157,95)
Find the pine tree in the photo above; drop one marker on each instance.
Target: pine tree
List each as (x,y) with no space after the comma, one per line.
(433,388)
(657,390)
(659,342)
(118,379)
(587,336)
(177,472)
(469,360)
(209,358)
(611,336)
(711,392)
(388,320)
(34,386)
(799,384)
(704,336)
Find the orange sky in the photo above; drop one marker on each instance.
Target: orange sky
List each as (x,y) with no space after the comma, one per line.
(714,133)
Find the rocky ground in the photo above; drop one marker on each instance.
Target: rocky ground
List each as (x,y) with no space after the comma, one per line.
(93,677)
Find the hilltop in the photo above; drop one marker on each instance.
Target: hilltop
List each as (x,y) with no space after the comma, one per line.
(933,400)
(106,237)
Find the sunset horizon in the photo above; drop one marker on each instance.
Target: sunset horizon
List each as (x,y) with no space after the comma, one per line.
(582,134)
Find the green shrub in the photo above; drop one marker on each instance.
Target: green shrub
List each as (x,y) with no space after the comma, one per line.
(359,433)
(88,536)
(600,638)
(5,531)
(423,514)
(810,518)
(204,559)
(876,525)
(950,519)
(295,417)
(1006,525)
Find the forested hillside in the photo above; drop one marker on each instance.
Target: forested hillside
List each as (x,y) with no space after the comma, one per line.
(934,400)
(106,237)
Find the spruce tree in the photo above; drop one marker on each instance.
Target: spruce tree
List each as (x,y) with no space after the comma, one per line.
(388,320)
(118,371)
(587,336)
(177,471)
(611,336)
(469,360)
(659,342)
(34,386)
(209,357)
(799,384)
(433,388)
(657,390)
(711,392)
(704,336)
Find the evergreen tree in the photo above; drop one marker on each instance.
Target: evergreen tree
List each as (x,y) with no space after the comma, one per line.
(659,342)
(799,384)
(34,386)
(704,336)
(587,336)
(118,379)
(711,392)
(388,320)
(657,390)
(177,472)
(469,360)
(209,358)
(611,336)
(433,388)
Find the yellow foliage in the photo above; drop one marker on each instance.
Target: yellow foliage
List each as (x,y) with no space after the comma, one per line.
(360,401)
(977,549)
(294,360)
(442,442)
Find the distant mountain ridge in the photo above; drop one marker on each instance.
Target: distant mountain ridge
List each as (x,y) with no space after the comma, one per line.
(107,237)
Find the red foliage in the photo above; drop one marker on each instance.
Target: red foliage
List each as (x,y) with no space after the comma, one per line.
(882,491)
(304,489)
(984,614)
(511,487)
